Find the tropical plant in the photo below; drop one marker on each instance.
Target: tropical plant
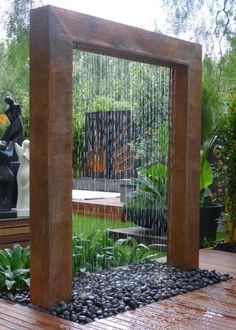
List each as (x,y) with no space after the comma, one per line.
(96,252)
(206,173)
(151,188)
(206,22)
(127,251)
(211,121)
(14,268)
(146,206)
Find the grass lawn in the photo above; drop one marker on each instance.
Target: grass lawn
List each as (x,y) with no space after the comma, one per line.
(220,236)
(86,224)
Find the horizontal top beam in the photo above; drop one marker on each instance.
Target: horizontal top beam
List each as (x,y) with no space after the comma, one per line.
(115,39)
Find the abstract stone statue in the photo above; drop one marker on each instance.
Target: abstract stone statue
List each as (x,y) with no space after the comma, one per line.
(6,181)
(14,131)
(22,205)
(13,134)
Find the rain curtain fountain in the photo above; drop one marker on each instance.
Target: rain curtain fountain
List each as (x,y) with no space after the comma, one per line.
(54,33)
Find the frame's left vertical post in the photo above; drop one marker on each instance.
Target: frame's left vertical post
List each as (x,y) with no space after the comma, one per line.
(51,159)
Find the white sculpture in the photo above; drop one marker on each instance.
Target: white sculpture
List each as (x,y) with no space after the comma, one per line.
(22,205)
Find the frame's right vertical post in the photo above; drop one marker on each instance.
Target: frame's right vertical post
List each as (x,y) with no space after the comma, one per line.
(185,132)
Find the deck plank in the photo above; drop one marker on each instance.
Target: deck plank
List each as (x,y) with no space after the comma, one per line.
(224,262)
(36,319)
(194,310)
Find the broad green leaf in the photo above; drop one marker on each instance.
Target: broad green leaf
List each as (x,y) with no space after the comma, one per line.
(27,281)
(19,272)
(4,258)
(8,274)
(82,270)
(143,246)
(16,257)
(152,256)
(8,252)
(206,175)
(9,284)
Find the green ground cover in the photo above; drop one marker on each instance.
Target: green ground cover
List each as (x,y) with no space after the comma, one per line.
(93,250)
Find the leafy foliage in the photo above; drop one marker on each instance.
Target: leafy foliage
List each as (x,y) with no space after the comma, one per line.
(14,268)
(96,252)
(206,173)
(144,149)
(208,22)
(14,59)
(228,78)
(150,92)
(212,114)
(103,83)
(212,105)
(151,188)
(147,205)
(229,144)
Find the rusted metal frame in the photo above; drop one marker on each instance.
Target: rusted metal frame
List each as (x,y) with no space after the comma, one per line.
(51,165)
(54,34)
(183,182)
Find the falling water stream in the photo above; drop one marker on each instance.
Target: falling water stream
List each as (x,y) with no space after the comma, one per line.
(120,108)
(120,144)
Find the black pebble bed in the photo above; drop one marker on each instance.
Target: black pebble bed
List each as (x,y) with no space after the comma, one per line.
(109,292)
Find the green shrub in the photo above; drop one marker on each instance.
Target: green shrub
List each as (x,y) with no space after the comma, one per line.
(96,252)
(146,206)
(14,268)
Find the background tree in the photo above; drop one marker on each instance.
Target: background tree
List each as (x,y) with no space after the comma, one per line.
(15,55)
(204,21)
(228,77)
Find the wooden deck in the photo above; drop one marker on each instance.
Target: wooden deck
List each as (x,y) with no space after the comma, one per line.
(14,231)
(210,308)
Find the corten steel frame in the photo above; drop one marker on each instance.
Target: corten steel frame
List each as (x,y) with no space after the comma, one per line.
(54,33)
